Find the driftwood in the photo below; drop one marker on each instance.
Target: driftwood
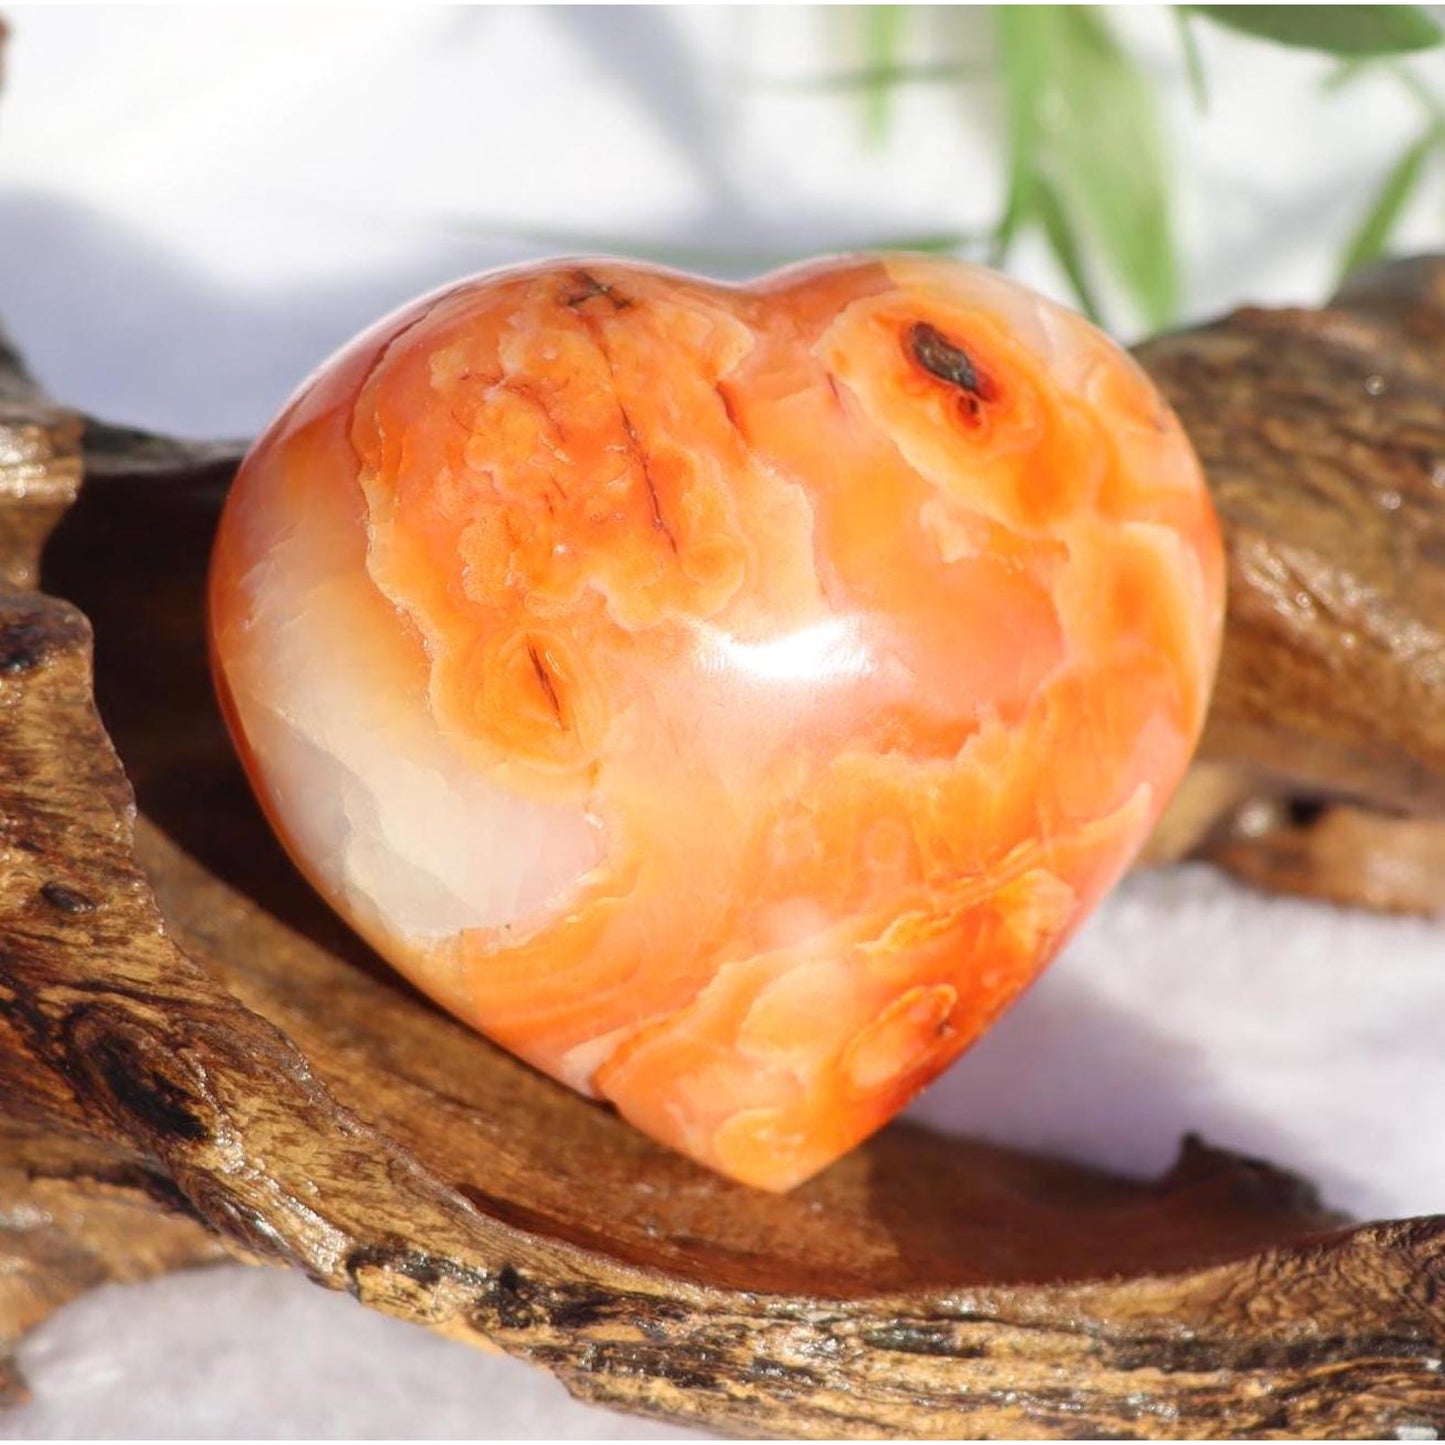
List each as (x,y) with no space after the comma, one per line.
(195,1056)
(73,1216)
(1323,437)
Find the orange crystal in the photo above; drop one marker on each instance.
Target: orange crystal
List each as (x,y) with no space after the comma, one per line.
(726,699)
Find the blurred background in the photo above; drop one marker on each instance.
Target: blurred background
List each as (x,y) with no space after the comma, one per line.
(221,196)
(197,205)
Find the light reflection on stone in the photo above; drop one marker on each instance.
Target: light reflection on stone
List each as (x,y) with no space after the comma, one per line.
(726,699)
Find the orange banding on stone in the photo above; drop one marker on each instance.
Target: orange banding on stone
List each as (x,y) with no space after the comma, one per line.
(728,699)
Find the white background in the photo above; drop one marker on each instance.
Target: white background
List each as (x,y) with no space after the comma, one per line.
(196,206)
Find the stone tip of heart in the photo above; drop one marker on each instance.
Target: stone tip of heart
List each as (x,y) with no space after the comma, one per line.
(728,699)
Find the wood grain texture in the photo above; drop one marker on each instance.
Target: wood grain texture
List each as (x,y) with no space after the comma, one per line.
(1337,853)
(1323,437)
(187,1036)
(73,1216)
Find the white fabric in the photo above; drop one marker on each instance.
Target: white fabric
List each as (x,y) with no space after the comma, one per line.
(196,206)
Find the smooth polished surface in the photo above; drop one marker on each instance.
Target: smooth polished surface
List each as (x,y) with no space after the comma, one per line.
(726,699)
(1223,999)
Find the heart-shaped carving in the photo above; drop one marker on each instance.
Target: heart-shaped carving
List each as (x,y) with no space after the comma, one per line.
(726,699)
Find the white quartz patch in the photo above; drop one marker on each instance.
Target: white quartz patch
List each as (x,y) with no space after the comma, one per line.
(390,815)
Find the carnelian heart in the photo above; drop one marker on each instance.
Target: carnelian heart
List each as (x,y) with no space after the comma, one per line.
(727,699)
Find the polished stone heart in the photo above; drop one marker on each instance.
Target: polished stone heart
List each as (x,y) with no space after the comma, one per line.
(727,699)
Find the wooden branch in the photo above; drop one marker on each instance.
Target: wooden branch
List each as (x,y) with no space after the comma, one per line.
(1336,853)
(1323,437)
(73,1216)
(189,1037)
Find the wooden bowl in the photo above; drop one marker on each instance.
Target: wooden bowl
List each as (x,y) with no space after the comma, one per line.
(197,1057)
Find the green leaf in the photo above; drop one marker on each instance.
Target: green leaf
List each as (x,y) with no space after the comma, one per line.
(1335,29)
(1023,74)
(1427,99)
(1347,72)
(1082,115)
(1111,167)
(942,73)
(1065,246)
(1193,61)
(1374,232)
(940,241)
(883,28)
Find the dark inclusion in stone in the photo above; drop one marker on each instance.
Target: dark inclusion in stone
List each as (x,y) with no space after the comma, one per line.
(944,358)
